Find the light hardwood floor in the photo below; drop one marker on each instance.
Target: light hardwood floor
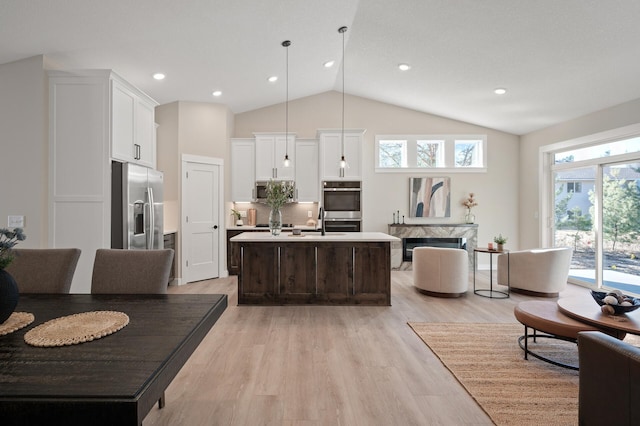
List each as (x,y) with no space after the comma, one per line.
(326,365)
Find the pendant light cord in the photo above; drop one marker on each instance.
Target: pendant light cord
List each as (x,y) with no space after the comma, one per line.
(342,30)
(286,44)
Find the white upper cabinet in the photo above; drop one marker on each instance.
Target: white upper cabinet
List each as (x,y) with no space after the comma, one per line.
(88,121)
(132,125)
(243,179)
(330,149)
(271,149)
(307,176)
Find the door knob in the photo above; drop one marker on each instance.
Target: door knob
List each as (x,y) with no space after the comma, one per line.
(215,226)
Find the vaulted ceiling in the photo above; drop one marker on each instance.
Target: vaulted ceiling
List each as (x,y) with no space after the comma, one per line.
(557,59)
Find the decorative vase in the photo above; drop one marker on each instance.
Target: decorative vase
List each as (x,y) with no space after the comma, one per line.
(8,295)
(275,221)
(469,217)
(500,247)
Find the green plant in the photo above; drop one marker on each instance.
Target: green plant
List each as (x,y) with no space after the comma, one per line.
(236,213)
(500,239)
(8,239)
(279,193)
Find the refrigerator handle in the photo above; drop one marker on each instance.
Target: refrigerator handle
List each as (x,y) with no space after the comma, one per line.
(152,219)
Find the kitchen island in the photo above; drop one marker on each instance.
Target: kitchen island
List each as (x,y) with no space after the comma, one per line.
(333,269)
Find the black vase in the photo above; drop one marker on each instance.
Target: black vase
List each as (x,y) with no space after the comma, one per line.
(8,295)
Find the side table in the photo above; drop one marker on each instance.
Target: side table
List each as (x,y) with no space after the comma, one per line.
(490,292)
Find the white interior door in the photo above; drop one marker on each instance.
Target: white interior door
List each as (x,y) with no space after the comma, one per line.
(201,221)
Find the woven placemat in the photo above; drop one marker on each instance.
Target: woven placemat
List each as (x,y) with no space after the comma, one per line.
(76,328)
(15,322)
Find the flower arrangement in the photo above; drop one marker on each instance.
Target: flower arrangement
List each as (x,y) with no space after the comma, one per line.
(8,239)
(279,193)
(469,202)
(236,213)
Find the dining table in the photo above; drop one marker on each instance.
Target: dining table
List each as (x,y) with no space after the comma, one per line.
(112,380)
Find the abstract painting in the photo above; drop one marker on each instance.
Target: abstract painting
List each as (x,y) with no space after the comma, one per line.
(430,197)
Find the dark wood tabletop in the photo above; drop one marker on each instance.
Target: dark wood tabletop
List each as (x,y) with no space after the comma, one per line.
(113,380)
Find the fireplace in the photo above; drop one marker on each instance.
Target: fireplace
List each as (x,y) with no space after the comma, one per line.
(468,232)
(409,243)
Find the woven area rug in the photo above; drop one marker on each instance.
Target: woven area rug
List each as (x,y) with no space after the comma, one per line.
(487,361)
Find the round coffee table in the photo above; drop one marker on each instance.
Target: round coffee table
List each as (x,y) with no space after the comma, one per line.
(545,317)
(585,309)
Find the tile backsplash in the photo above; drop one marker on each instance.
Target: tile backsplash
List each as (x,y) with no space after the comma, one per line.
(294,213)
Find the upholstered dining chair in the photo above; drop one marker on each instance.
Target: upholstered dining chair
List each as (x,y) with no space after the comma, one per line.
(44,270)
(117,271)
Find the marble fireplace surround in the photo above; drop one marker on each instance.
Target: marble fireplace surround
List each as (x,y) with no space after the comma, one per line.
(449,230)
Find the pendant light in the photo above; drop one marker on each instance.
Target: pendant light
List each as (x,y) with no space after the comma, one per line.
(286,162)
(343,161)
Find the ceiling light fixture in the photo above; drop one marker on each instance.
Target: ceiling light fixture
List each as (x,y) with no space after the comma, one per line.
(217,93)
(500,91)
(329,64)
(286,162)
(404,67)
(159,76)
(273,79)
(343,161)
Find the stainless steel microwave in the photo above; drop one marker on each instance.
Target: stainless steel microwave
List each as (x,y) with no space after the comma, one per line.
(260,191)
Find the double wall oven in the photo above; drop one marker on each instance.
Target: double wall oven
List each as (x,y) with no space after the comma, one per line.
(342,206)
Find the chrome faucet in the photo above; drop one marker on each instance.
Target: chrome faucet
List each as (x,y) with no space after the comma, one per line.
(322,232)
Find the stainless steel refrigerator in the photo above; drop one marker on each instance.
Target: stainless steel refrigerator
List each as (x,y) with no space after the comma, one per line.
(136,207)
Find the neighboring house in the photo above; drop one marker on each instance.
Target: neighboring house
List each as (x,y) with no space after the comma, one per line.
(578,184)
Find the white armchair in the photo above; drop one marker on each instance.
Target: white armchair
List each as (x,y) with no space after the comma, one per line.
(441,272)
(537,272)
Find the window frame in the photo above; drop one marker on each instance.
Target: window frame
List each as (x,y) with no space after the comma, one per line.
(448,155)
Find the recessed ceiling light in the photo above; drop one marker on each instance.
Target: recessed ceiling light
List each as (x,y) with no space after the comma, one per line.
(404,67)
(329,64)
(273,79)
(159,76)
(500,91)
(217,93)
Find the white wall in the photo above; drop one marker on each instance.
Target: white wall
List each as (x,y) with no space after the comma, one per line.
(23,136)
(611,118)
(194,128)
(496,190)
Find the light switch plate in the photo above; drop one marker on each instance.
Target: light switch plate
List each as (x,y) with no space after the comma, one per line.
(14,221)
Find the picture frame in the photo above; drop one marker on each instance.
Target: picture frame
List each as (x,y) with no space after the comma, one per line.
(430,197)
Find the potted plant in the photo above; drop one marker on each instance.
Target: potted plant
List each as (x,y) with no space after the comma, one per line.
(238,217)
(278,194)
(500,241)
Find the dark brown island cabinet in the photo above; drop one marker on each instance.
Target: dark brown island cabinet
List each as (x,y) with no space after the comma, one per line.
(334,269)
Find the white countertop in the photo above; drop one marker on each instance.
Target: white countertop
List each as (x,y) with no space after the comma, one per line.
(314,236)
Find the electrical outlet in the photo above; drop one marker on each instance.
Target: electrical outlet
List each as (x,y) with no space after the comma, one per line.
(309,213)
(243,213)
(15,221)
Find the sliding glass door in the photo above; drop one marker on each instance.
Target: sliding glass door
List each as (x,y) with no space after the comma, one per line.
(596,211)
(621,226)
(574,213)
